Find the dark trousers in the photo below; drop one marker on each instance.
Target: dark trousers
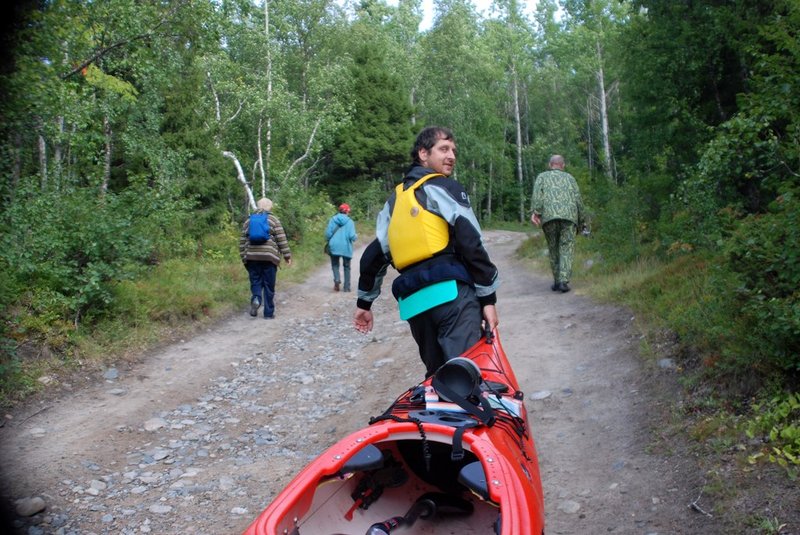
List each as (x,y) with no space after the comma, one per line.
(448,330)
(262,284)
(346,268)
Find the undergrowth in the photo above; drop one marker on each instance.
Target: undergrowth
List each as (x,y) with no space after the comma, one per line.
(737,400)
(202,282)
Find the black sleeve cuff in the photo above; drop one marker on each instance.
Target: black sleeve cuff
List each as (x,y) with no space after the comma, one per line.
(364,305)
(486,300)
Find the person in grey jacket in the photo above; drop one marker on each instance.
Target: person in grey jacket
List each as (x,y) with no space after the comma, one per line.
(262,260)
(428,231)
(340,235)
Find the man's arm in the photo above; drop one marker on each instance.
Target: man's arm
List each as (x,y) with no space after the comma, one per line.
(373,268)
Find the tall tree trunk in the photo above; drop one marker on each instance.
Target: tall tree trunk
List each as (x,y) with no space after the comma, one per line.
(260,161)
(590,156)
(42,162)
(58,157)
(604,115)
(269,94)
(241,178)
(107,158)
(306,153)
(518,125)
(412,100)
(489,191)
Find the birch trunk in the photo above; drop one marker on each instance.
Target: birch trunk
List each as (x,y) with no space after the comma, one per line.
(43,162)
(489,191)
(306,153)
(589,135)
(260,162)
(269,95)
(241,178)
(518,125)
(58,157)
(604,115)
(107,157)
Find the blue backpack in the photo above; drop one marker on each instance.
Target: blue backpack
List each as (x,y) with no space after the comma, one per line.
(258,231)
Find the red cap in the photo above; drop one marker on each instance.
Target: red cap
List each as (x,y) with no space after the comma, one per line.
(344,207)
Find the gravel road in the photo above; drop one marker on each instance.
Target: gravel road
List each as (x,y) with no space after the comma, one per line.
(198,436)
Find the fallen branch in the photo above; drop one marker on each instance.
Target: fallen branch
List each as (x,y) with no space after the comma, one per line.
(694,505)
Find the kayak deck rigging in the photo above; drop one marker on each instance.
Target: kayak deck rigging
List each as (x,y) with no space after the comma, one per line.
(451,455)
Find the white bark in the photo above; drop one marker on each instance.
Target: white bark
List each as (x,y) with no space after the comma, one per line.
(57,154)
(518,125)
(107,159)
(604,115)
(269,92)
(260,161)
(308,149)
(589,134)
(241,178)
(43,162)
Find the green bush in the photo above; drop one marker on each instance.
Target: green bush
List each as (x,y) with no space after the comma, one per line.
(777,422)
(765,254)
(76,243)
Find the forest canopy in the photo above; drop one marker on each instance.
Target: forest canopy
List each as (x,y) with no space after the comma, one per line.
(132,131)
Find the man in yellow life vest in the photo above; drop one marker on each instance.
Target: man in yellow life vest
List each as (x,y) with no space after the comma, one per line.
(429,233)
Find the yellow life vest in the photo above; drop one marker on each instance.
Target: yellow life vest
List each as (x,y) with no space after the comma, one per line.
(415,234)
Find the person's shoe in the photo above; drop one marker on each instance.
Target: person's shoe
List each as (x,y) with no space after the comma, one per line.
(346,289)
(335,286)
(270,317)
(255,304)
(562,287)
(554,287)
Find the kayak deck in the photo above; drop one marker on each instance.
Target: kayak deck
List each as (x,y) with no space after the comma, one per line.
(429,464)
(332,500)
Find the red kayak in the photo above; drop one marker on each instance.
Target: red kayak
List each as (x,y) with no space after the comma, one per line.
(452,455)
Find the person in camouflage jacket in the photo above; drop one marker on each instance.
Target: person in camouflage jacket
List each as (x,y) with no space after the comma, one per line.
(558,208)
(262,260)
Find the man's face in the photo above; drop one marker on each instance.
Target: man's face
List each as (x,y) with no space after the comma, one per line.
(441,158)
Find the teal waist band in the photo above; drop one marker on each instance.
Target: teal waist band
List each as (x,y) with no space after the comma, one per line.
(427,298)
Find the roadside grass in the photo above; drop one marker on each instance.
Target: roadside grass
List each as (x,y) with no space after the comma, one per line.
(739,421)
(174,298)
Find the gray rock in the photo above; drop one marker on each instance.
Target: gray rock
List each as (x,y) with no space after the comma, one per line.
(30,506)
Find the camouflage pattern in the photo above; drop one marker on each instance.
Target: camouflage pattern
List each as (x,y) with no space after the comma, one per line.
(560,236)
(556,196)
(557,200)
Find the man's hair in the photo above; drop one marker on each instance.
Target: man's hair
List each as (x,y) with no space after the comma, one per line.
(428,138)
(556,160)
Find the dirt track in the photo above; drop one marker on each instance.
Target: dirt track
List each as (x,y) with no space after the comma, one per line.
(198,436)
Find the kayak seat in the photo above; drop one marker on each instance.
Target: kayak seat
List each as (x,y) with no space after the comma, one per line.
(473,477)
(367,458)
(440,470)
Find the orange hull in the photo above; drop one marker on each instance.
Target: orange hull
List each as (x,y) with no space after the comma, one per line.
(495,486)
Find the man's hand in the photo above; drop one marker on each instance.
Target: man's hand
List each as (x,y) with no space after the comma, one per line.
(288,261)
(536,219)
(362,320)
(490,317)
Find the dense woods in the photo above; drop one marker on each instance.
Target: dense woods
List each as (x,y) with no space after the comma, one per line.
(136,134)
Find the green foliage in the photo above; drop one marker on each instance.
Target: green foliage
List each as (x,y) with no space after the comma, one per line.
(377,141)
(73,245)
(620,228)
(777,422)
(302,214)
(765,254)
